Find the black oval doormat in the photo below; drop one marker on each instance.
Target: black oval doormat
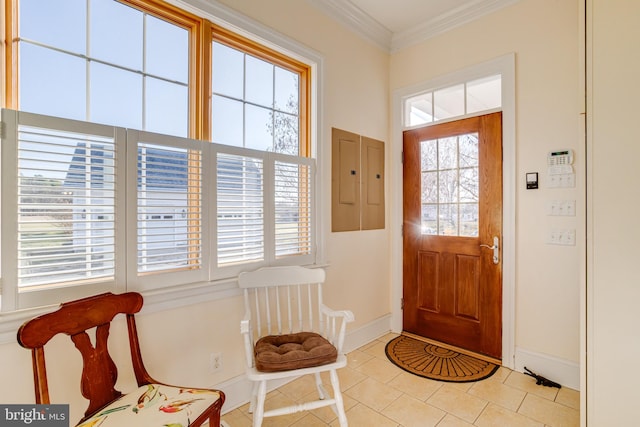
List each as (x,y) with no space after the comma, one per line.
(437,363)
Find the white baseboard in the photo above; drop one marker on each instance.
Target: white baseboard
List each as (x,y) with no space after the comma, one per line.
(562,371)
(367,333)
(238,389)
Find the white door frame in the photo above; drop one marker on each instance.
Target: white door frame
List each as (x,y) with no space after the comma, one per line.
(505,66)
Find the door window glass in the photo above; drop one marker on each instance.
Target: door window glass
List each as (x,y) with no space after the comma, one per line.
(449,193)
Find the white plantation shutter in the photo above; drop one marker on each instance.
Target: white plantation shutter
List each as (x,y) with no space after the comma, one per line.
(66,206)
(264,209)
(166,177)
(240,209)
(292,197)
(59,206)
(90,208)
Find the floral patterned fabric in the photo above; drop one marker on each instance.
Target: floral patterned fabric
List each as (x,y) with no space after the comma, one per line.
(154,405)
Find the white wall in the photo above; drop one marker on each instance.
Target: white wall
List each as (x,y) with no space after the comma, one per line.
(356,86)
(355,97)
(177,342)
(543,34)
(613,285)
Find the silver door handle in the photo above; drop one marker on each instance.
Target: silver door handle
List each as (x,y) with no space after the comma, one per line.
(495,248)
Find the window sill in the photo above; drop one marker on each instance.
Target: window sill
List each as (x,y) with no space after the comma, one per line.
(154,301)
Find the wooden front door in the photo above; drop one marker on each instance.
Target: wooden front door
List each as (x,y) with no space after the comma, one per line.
(452,216)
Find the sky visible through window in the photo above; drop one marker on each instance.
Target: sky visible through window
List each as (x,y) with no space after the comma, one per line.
(75,64)
(105,62)
(253,101)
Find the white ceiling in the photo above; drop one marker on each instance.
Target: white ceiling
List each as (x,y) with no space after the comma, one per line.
(399,15)
(395,24)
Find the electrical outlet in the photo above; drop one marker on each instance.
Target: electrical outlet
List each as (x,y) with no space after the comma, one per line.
(215,362)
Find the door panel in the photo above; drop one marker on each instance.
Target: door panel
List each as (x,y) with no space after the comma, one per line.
(428,276)
(467,287)
(452,205)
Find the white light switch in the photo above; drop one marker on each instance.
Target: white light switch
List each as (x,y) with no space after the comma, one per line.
(562,237)
(565,180)
(569,238)
(561,208)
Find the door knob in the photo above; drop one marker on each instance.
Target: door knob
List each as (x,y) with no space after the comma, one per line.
(495,248)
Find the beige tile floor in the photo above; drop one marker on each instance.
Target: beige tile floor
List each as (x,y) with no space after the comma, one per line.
(377,393)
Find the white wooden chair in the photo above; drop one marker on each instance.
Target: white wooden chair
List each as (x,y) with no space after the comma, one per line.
(283,307)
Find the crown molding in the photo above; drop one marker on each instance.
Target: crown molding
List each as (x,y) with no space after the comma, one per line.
(345,12)
(445,22)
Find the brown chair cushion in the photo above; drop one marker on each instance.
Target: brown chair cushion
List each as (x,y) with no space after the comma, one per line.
(293,351)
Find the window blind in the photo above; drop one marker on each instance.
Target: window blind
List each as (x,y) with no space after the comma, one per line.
(66,206)
(169,208)
(292,208)
(101,208)
(240,209)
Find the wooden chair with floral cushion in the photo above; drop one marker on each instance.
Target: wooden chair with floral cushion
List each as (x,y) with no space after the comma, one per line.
(288,332)
(152,404)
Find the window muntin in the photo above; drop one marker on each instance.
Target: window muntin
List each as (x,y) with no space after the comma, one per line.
(448,102)
(261,101)
(69,50)
(162,60)
(78,185)
(69,17)
(484,94)
(41,87)
(449,186)
(454,101)
(290,120)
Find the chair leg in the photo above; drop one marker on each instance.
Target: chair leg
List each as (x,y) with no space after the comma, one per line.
(337,395)
(258,412)
(254,396)
(321,391)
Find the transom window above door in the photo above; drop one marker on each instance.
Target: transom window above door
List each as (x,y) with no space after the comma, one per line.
(453,101)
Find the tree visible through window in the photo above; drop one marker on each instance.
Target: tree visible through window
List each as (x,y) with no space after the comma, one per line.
(449,186)
(255,103)
(181,80)
(158,72)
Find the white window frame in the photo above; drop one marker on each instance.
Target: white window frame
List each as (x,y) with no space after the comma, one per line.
(127,276)
(162,279)
(269,159)
(224,288)
(12,299)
